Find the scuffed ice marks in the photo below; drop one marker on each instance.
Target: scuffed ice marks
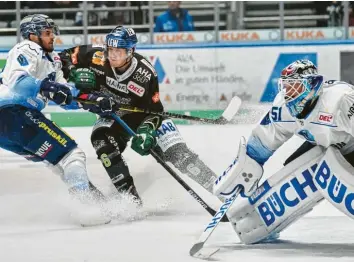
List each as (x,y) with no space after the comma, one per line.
(123,208)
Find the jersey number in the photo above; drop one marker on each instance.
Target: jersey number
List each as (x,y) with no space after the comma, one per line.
(276,113)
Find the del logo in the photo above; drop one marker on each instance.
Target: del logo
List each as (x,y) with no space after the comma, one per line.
(161,73)
(286,196)
(135,88)
(336,190)
(325,118)
(165,128)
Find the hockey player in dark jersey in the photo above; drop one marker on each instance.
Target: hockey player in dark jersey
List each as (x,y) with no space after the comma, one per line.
(120,76)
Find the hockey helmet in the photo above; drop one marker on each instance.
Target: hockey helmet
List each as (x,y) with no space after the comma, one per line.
(35,24)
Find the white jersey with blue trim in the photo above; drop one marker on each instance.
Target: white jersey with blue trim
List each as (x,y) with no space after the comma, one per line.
(331,122)
(26,65)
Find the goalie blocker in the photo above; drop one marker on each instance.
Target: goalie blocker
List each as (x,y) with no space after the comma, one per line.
(291,193)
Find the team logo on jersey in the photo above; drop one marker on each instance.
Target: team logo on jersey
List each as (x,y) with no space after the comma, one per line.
(115,85)
(135,88)
(22,60)
(325,118)
(142,75)
(98,58)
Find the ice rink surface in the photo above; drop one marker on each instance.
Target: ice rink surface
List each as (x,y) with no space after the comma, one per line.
(35,222)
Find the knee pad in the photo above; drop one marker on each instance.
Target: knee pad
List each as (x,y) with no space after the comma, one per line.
(72,169)
(108,149)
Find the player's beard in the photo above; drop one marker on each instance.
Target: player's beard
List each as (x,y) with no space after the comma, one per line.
(49,50)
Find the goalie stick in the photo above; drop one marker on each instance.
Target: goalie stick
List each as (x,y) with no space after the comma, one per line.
(170,170)
(197,248)
(226,116)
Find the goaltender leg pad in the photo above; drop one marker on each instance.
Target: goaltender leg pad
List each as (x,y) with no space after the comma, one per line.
(279,201)
(334,179)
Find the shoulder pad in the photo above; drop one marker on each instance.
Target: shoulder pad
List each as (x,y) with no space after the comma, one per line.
(29,48)
(149,66)
(278,100)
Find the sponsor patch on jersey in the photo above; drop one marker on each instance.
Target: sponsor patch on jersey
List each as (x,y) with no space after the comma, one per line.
(156,97)
(325,118)
(22,60)
(98,58)
(350,111)
(97,45)
(99,72)
(115,85)
(44,149)
(135,88)
(149,66)
(142,75)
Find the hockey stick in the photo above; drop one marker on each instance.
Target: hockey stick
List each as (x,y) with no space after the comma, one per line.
(170,170)
(226,116)
(196,249)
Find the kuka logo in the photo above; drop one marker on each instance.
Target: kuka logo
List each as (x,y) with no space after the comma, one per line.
(161,73)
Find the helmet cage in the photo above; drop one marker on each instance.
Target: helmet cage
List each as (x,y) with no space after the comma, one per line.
(35,24)
(298,91)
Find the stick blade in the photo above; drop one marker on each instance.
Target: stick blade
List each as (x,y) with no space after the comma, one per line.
(198,251)
(232,108)
(196,248)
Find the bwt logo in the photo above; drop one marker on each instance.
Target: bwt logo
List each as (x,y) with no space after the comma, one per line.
(336,190)
(161,73)
(277,203)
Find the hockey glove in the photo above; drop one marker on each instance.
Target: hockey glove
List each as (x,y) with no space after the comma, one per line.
(145,139)
(58,93)
(84,79)
(99,104)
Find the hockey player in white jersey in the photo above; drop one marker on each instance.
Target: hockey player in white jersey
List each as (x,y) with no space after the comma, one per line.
(322,113)
(32,76)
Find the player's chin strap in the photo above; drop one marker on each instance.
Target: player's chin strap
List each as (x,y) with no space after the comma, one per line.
(170,170)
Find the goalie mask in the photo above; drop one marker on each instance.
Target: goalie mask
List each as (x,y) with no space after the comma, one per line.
(300,84)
